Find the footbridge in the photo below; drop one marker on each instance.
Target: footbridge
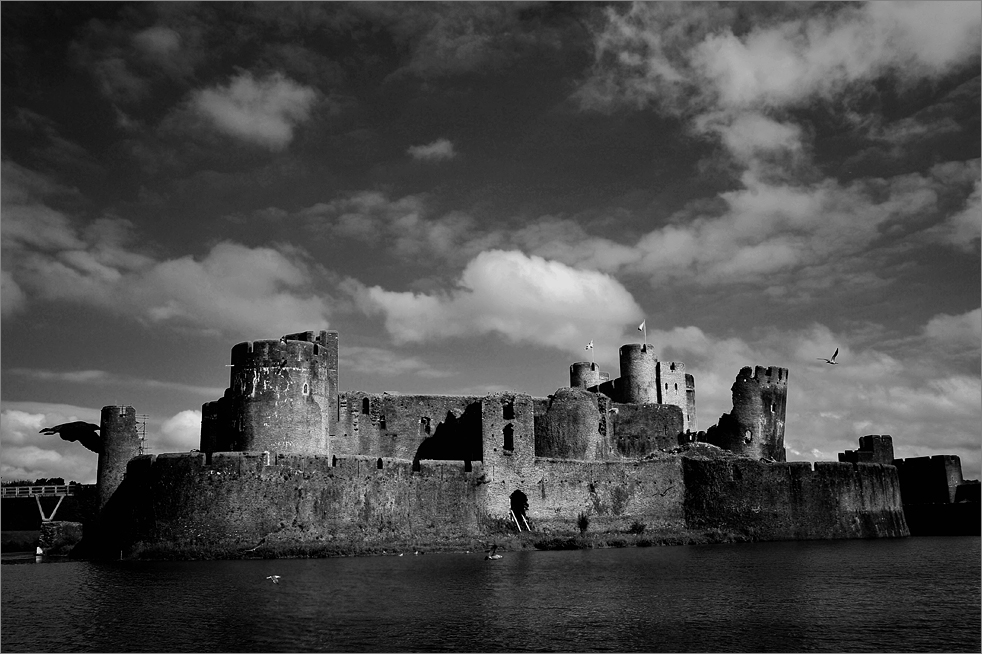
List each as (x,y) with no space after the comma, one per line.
(61,491)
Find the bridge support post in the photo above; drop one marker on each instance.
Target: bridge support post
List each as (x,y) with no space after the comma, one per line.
(37,498)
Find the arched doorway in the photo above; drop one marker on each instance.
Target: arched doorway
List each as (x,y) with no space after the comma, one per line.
(520,507)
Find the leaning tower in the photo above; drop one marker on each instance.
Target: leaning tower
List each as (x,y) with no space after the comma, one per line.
(120,443)
(755,427)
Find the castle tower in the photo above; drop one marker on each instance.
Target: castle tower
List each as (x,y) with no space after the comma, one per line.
(672,388)
(584,374)
(690,401)
(755,427)
(120,443)
(283,394)
(638,383)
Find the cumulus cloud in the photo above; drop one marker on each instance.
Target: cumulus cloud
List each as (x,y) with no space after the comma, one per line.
(438,150)
(179,433)
(673,57)
(49,258)
(405,225)
(959,335)
(739,87)
(28,455)
(521,298)
(262,111)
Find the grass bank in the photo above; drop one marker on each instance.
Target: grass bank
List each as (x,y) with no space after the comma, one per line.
(506,541)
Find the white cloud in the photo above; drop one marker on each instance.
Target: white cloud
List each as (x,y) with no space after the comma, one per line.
(961,335)
(687,62)
(250,290)
(25,454)
(263,111)
(651,53)
(231,288)
(179,433)
(963,229)
(438,150)
(522,298)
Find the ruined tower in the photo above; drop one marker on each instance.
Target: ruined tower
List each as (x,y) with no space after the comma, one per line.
(120,443)
(282,396)
(755,427)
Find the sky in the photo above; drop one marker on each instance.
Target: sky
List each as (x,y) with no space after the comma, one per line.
(469,193)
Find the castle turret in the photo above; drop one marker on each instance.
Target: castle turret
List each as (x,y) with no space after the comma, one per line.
(584,374)
(283,394)
(755,427)
(120,443)
(638,383)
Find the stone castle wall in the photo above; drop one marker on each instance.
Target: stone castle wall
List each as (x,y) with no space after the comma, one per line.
(240,500)
(408,426)
(789,501)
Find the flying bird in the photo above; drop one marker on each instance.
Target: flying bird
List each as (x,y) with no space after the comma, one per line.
(831,361)
(274,578)
(83,432)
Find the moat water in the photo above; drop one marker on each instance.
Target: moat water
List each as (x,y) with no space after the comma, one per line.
(913,594)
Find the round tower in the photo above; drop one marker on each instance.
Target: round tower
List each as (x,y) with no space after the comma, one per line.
(638,383)
(120,443)
(279,394)
(760,400)
(584,374)
(573,427)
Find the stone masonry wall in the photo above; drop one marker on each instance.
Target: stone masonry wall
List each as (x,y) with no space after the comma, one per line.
(787,501)
(242,499)
(640,429)
(389,425)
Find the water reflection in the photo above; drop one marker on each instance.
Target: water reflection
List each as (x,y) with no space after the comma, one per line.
(812,596)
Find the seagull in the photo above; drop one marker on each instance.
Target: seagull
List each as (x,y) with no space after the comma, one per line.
(274,578)
(83,432)
(831,361)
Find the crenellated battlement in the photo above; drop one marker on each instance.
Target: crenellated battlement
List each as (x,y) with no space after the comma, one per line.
(766,376)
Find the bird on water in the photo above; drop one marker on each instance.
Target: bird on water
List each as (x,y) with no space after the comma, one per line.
(83,432)
(274,578)
(831,361)
(492,555)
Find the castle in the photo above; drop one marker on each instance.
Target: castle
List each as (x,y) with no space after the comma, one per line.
(283,397)
(286,457)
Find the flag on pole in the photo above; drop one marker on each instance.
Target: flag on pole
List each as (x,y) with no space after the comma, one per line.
(589,346)
(641,326)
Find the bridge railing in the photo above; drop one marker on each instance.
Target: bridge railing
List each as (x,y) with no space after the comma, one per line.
(39,491)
